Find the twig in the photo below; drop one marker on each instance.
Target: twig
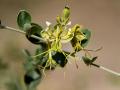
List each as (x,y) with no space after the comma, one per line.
(20,31)
(13,29)
(106,69)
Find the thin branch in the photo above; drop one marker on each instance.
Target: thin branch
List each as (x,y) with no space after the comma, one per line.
(110,71)
(106,69)
(20,31)
(15,30)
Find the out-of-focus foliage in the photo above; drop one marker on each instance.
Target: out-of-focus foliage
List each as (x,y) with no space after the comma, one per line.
(3,65)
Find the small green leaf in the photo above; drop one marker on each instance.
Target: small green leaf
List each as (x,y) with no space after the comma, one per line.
(86,60)
(59,58)
(34,30)
(14,83)
(87,34)
(24,19)
(94,59)
(32,79)
(89,61)
(28,64)
(3,65)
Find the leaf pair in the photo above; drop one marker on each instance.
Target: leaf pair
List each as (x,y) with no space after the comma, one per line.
(25,23)
(32,75)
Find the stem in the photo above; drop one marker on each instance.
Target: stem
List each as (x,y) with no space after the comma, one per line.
(106,69)
(20,31)
(103,68)
(13,29)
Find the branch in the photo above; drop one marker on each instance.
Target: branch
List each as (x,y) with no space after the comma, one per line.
(106,69)
(19,31)
(103,68)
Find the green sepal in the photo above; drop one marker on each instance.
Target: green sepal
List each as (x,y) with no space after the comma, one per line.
(58,19)
(24,20)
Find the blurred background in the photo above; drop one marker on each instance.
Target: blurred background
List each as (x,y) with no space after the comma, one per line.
(101,16)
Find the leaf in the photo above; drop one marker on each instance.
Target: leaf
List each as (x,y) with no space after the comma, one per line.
(89,61)
(28,64)
(14,84)
(59,58)
(86,60)
(33,75)
(34,30)
(94,59)
(3,65)
(24,20)
(32,79)
(87,34)
(1,26)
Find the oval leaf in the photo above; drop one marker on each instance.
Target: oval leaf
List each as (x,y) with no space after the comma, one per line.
(86,60)
(23,19)
(32,79)
(34,30)
(59,58)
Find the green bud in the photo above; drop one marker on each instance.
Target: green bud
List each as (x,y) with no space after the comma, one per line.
(66,13)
